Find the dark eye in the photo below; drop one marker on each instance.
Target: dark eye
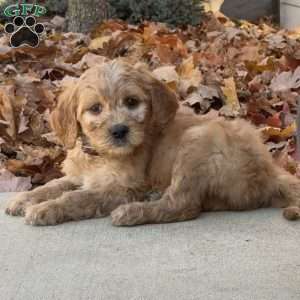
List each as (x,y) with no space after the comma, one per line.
(96,109)
(131,102)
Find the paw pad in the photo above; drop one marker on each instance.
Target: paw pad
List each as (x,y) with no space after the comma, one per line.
(24,32)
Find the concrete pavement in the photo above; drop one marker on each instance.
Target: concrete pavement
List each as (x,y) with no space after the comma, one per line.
(235,256)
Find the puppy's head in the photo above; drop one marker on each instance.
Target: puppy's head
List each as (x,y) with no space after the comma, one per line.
(116,107)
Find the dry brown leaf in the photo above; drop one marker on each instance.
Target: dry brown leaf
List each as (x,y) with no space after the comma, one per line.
(286,81)
(190,75)
(286,133)
(99,43)
(250,53)
(23,124)
(276,41)
(167,74)
(230,93)
(276,146)
(202,99)
(90,60)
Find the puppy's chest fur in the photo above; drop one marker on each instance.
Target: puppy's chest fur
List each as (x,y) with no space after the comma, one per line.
(92,172)
(140,171)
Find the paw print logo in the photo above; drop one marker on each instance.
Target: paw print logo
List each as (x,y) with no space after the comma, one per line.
(24,32)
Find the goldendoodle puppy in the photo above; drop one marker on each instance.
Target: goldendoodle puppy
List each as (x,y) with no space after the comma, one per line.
(125,137)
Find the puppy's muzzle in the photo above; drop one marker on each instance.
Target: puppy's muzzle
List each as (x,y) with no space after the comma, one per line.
(119,134)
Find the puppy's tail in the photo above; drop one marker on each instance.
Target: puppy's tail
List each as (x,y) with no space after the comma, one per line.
(288,195)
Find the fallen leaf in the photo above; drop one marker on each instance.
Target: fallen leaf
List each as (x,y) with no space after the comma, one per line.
(232,106)
(276,41)
(190,75)
(202,99)
(250,53)
(99,42)
(90,60)
(286,81)
(271,132)
(167,74)
(276,146)
(23,125)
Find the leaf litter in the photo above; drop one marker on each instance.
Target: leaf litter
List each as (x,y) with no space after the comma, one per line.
(225,68)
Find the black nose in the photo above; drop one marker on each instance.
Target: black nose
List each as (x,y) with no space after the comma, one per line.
(119,131)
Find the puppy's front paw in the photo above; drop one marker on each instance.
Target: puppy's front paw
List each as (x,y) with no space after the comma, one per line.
(127,215)
(44,214)
(17,206)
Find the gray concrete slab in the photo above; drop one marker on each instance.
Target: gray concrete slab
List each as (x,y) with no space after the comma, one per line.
(235,256)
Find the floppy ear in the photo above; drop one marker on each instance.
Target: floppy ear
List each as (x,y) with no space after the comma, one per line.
(63,118)
(164,100)
(164,104)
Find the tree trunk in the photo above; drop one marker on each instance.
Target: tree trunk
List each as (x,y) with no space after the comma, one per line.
(83,15)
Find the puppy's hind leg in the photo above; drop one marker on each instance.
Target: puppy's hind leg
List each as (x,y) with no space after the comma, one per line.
(180,202)
(161,211)
(288,195)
